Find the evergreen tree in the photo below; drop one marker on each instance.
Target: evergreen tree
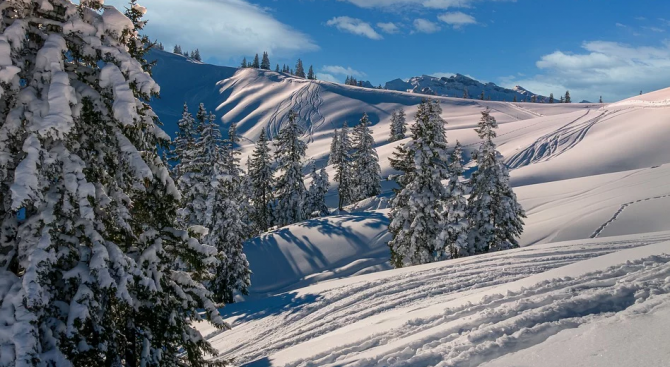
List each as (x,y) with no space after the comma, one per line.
(417,216)
(265,63)
(494,213)
(244,64)
(299,69)
(455,234)
(310,73)
(398,125)
(177,50)
(196,55)
(139,45)
(567,97)
(316,195)
(224,214)
(481,96)
(261,177)
(561,100)
(277,68)
(344,173)
(334,146)
(186,53)
(551,98)
(290,188)
(257,63)
(97,273)
(601,99)
(367,178)
(193,178)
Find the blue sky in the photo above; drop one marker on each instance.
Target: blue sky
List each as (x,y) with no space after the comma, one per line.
(613,48)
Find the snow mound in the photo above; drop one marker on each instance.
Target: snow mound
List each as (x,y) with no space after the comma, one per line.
(659,98)
(470,310)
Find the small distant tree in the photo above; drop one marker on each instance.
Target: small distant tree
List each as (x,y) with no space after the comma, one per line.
(196,55)
(481,96)
(316,195)
(551,98)
(567,97)
(601,99)
(398,125)
(367,177)
(561,100)
(299,69)
(177,50)
(343,175)
(334,146)
(310,73)
(265,63)
(277,68)
(256,63)
(244,64)
(514,100)
(465,93)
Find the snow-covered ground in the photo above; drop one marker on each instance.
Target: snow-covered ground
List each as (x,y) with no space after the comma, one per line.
(597,176)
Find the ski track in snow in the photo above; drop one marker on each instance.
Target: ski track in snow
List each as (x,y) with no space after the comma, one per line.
(519,108)
(525,318)
(307,101)
(620,211)
(560,141)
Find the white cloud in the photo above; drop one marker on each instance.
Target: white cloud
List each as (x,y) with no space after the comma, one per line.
(354,26)
(221,29)
(341,70)
(390,28)
(328,77)
(457,19)
(434,4)
(425,26)
(613,70)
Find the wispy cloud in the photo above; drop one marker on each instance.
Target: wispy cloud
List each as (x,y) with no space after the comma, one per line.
(390,27)
(433,4)
(457,19)
(425,26)
(204,24)
(341,70)
(354,26)
(613,70)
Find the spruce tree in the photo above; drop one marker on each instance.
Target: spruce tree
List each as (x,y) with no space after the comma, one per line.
(455,234)
(417,215)
(265,63)
(261,177)
(196,55)
(398,125)
(567,97)
(343,168)
(310,73)
(299,69)
(277,68)
(551,98)
(561,100)
(244,64)
(177,50)
(601,99)
(290,188)
(97,273)
(334,146)
(367,178)
(316,195)
(496,218)
(256,63)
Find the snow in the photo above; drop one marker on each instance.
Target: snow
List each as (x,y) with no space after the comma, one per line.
(115,22)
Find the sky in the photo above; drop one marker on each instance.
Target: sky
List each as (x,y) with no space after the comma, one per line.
(608,48)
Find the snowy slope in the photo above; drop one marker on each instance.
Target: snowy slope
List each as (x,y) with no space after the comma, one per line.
(458,313)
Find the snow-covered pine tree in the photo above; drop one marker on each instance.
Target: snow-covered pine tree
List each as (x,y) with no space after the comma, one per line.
(316,195)
(398,125)
(96,274)
(193,178)
(334,158)
(290,187)
(367,178)
(299,69)
(310,73)
(256,64)
(233,138)
(455,235)
(224,215)
(567,97)
(182,145)
(417,215)
(265,63)
(261,176)
(343,168)
(496,218)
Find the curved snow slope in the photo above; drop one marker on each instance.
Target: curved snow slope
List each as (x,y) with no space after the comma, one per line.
(460,313)
(306,253)
(659,98)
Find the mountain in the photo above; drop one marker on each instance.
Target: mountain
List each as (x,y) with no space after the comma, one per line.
(456,85)
(593,179)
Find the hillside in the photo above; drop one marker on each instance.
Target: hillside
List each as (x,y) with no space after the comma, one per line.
(596,176)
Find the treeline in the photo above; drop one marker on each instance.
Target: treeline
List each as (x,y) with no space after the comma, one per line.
(264,64)
(195,55)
